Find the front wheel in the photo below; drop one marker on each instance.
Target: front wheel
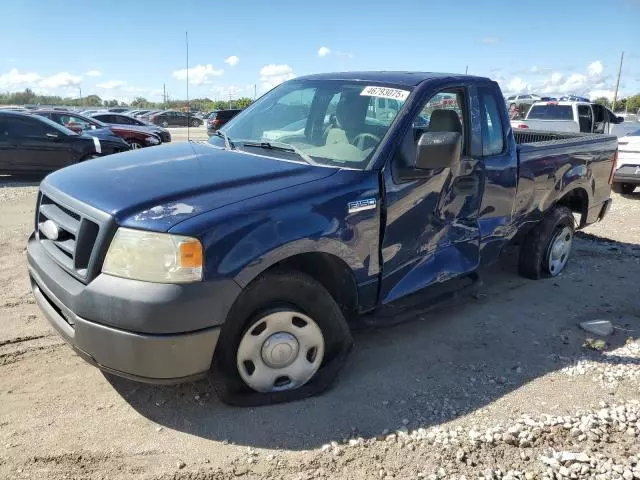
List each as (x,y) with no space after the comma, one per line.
(546,249)
(285,338)
(135,144)
(623,188)
(164,123)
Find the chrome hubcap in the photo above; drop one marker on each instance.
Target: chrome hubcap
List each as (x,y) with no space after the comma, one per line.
(281,351)
(560,250)
(135,146)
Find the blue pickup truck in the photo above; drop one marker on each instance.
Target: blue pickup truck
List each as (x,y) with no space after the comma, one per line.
(249,255)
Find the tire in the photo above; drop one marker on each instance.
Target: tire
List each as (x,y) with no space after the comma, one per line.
(134,144)
(538,259)
(195,123)
(623,188)
(270,295)
(164,124)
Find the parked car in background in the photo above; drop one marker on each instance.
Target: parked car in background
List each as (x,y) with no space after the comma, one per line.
(139,113)
(218,118)
(118,109)
(627,176)
(172,118)
(136,137)
(526,99)
(34,144)
(573,98)
(146,117)
(249,257)
(122,119)
(583,117)
(89,112)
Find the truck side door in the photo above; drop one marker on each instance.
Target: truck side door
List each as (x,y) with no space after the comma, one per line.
(431,231)
(499,161)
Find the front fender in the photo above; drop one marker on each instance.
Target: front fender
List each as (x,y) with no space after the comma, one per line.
(244,239)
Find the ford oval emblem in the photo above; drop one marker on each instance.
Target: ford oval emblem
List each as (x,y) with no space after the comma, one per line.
(50,230)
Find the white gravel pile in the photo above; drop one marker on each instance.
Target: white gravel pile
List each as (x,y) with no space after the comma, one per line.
(610,367)
(12,191)
(528,447)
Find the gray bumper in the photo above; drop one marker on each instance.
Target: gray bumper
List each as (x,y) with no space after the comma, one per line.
(627,174)
(133,352)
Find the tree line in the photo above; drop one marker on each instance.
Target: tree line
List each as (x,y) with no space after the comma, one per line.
(629,104)
(29,97)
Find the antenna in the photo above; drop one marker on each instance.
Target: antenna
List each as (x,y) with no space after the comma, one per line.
(186,36)
(466,70)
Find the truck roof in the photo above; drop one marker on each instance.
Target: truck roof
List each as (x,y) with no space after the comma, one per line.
(409,79)
(563,102)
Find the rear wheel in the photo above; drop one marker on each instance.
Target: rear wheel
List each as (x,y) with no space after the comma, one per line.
(546,249)
(164,123)
(284,339)
(623,188)
(195,123)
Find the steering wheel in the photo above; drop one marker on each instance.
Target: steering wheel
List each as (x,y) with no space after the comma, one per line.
(360,138)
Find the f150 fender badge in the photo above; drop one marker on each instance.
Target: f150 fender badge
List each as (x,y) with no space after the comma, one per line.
(361,205)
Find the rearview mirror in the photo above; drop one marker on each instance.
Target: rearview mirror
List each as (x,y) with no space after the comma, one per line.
(438,150)
(619,119)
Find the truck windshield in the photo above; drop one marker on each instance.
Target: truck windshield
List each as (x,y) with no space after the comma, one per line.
(332,122)
(550,112)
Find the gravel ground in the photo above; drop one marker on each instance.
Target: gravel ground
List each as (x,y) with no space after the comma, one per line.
(502,386)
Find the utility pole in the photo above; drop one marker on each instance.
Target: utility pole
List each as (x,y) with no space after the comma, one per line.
(255,91)
(164,94)
(466,69)
(186,36)
(615,94)
(229,101)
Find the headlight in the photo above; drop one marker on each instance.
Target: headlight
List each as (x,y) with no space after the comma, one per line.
(153,141)
(154,257)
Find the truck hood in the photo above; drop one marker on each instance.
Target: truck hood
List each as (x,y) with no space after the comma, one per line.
(157,188)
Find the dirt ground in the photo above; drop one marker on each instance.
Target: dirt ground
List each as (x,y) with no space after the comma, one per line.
(514,350)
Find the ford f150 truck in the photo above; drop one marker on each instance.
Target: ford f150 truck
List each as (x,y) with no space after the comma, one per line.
(249,257)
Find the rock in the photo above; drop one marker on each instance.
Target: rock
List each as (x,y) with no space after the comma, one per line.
(181,464)
(326,447)
(567,457)
(627,474)
(583,458)
(509,439)
(158,429)
(564,471)
(460,455)
(529,475)
(602,328)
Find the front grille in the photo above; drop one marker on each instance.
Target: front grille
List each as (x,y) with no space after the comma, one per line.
(71,233)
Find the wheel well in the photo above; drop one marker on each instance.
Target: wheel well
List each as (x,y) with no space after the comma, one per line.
(577,201)
(331,272)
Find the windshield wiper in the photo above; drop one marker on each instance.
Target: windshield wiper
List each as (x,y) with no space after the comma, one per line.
(227,143)
(283,147)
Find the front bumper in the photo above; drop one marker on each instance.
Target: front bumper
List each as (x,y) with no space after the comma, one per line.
(120,342)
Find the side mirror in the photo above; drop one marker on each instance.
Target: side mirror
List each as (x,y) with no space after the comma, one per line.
(438,150)
(619,119)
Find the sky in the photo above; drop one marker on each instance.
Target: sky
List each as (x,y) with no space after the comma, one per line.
(124,49)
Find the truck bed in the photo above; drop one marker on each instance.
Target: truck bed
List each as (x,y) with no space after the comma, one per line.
(552,164)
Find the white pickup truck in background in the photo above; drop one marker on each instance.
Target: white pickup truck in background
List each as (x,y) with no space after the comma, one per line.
(583,117)
(627,176)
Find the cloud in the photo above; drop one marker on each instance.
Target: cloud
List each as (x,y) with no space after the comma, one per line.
(539,70)
(592,82)
(111,84)
(14,79)
(198,75)
(272,75)
(489,40)
(232,60)
(93,73)
(62,79)
(324,51)
(595,68)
